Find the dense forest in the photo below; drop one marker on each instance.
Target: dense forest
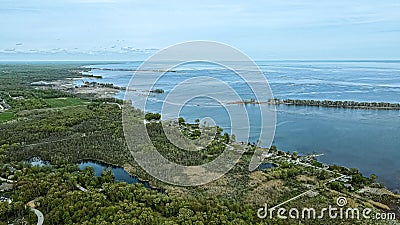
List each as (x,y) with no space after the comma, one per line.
(62,129)
(54,192)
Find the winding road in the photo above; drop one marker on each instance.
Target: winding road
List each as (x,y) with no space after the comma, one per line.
(39,216)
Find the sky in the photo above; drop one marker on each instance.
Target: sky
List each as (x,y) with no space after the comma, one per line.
(133,30)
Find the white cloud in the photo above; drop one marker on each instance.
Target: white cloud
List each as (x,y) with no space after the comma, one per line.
(75,51)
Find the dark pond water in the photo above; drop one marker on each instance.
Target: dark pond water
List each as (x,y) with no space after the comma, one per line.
(119,173)
(265,166)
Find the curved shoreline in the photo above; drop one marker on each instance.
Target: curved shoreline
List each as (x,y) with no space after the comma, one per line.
(312,103)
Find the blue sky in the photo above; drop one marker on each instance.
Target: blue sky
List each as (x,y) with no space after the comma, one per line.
(132,30)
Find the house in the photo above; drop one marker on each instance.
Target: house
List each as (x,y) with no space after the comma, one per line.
(345,179)
(349,186)
(12,169)
(6,187)
(266,155)
(4,199)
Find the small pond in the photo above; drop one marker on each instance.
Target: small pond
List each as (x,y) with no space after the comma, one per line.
(119,173)
(265,166)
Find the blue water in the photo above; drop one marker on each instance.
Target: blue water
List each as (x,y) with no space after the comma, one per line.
(119,173)
(365,139)
(265,166)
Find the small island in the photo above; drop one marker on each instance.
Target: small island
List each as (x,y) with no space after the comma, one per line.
(324,103)
(157,91)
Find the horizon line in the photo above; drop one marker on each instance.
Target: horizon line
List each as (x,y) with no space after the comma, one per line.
(272,60)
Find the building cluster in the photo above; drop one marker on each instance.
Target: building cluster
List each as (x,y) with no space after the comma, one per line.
(7,184)
(3,105)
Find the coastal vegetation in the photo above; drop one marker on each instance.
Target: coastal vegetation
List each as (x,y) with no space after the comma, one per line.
(341,104)
(129,70)
(158,91)
(152,116)
(326,103)
(97,84)
(90,75)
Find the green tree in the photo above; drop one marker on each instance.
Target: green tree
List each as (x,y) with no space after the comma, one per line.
(226,138)
(295,155)
(107,176)
(152,116)
(373,178)
(233,138)
(337,186)
(181,120)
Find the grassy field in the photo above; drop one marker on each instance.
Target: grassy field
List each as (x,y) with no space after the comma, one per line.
(63,102)
(51,102)
(6,116)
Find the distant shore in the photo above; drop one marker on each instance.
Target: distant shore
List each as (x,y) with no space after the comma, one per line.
(325,103)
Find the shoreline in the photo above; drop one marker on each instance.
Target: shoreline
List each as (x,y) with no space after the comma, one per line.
(345,104)
(101,92)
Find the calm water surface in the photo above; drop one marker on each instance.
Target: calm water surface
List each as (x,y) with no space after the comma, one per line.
(119,173)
